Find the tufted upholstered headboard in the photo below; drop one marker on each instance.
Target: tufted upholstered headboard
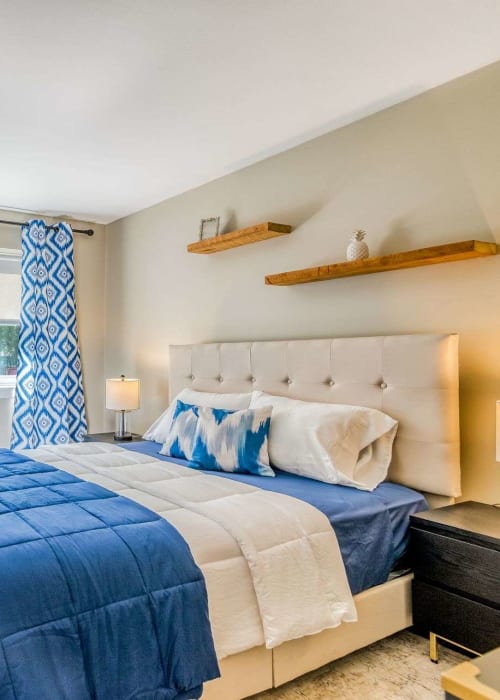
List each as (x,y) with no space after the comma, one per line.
(413,378)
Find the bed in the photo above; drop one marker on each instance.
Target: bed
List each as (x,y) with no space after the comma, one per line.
(412,378)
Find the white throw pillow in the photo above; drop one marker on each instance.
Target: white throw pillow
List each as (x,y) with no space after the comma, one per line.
(335,443)
(160,429)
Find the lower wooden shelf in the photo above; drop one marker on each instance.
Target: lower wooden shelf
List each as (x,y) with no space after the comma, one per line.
(450,252)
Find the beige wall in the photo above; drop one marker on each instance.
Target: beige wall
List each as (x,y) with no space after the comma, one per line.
(89,272)
(424,172)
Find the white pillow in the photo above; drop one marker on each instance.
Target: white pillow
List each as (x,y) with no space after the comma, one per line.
(160,429)
(338,444)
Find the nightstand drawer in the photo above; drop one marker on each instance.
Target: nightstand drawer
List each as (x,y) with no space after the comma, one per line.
(458,565)
(474,625)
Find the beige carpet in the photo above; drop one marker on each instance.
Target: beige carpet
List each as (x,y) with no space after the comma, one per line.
(396,668)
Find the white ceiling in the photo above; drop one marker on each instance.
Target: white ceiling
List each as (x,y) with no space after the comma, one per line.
(109,106)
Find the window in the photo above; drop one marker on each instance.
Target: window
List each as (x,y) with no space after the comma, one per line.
(9,338)
(10,305)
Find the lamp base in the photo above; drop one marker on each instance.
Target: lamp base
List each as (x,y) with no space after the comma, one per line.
(122,433)
(122,438)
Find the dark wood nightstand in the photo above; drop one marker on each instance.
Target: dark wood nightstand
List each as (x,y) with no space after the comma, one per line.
(109,437)
(455,554)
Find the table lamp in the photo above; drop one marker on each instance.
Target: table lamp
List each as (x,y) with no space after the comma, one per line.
(122,396)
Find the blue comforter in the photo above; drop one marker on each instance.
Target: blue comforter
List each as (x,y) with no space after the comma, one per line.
(99,597)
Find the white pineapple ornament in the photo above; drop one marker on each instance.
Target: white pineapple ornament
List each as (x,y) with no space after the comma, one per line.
(357,248)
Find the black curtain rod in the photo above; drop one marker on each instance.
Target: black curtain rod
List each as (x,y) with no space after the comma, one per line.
(86,231)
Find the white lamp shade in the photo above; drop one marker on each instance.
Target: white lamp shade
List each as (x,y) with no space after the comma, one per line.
(498,431)
(123,394)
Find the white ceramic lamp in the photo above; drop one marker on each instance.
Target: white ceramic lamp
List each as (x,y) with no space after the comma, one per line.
(122,396)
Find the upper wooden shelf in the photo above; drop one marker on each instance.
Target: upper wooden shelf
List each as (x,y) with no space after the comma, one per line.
(451,252)
(251,234)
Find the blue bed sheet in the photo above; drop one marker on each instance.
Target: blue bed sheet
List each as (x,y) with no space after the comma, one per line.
(371,527)
(100,598)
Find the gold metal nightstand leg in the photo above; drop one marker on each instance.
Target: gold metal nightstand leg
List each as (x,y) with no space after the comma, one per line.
(433,647)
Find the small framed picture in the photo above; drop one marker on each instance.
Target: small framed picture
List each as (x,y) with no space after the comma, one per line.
(209,227)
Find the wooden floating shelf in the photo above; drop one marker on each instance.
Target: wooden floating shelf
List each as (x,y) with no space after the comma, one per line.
(244,236)
(451,252)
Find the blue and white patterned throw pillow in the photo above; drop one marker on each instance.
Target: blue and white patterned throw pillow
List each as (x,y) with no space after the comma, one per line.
(182,433)
(221,440)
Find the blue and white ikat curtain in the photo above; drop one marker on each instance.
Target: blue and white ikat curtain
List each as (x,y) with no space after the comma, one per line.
(49,404)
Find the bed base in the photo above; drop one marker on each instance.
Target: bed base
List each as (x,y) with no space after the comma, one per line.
(382,611)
